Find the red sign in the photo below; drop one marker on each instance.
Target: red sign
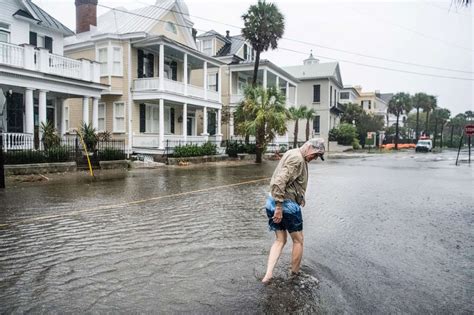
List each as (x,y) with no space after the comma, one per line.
(469,129)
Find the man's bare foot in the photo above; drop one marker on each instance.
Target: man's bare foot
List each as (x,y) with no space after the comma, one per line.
(266,279)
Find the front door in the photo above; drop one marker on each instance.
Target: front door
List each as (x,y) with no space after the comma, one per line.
(15,112)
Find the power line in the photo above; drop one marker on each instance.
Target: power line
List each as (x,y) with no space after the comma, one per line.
(330,48)
(295,51)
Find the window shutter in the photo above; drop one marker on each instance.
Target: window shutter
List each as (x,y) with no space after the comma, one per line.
(151,66)
(217,82)
(140,63)
(33,38)
(142,117)
(172,120)
(48,44)
(316,93)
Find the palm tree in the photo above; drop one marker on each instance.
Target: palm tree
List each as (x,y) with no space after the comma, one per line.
(297,113)
(309,116)
(399,105)
(457,123)
(269,116)
(441,115)
(419,100)
(429,106)
(469,115)
(264,25)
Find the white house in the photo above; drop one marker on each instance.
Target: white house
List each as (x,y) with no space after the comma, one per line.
(35,76)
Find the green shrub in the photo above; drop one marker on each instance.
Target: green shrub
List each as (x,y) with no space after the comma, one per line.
(110,154)
(24,157)
(346,134)
(195,150)
(355,144)
(234,147)
(57,154)
(250,148)
(333,134)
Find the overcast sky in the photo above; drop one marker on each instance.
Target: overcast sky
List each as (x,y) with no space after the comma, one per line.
(422,32)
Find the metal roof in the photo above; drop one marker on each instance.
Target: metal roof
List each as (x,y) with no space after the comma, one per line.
(317,70)
(45,19)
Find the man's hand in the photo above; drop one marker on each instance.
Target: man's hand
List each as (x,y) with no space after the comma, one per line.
(278,215)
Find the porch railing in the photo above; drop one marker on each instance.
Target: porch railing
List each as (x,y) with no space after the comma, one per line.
(195,91)
(173,86)
(152,141)
(177,87)
(41,60)
(17,141)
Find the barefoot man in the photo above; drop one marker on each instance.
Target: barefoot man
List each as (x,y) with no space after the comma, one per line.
(287,188)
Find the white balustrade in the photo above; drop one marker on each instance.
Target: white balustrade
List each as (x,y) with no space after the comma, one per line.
(11,55)
(146,140)
(173,86)
(195,91)
(213,95)
(17,141)
(146,84)
(65,67)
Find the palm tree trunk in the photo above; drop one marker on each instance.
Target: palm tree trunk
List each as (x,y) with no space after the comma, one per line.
(427,122)
(441,136)
(435,133)
(295,134)
(396,133)
(417,121)
(259,145)
(255,68)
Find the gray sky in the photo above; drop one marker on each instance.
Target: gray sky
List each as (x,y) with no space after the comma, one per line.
(422,32)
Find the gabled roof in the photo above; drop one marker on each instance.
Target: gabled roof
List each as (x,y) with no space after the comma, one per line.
(41,17)
(386,97)
(213,33)
(315,71)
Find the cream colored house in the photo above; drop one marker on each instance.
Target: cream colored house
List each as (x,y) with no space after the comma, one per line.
(35,77)
(163,90)
(238,56)
(319,87)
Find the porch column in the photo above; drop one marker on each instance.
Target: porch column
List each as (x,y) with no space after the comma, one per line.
(277,83)
(204,121)
(41,111)
(265,78)
(95,113)
(296,95)
(287,96)
(231,124)
(62,104)
(219,84)
(30,120)
(85,110)
(161,69)
(57,115)
(219,113)
(185,122)
(185,76)
(161,126)
(205,81)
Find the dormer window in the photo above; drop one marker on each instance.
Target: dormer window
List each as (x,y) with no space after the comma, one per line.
(171,27)
(207,47)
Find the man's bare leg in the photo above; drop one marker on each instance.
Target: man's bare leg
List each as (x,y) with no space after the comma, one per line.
(275,252)
(297,252)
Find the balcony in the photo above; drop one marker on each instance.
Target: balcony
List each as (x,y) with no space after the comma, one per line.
(30,58)
(175,87)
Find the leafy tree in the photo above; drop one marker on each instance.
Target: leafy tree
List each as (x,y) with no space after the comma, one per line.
(427,108)
(346,134)
(309,116)
(352,112)
(297,113)
(469,115)
(399,105)
(440,115)
(264,25)
(368,122)
(456,125)
(269,116)
(419,100)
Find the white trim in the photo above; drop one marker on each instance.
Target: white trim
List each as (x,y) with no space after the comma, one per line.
(99,118)
(114,125)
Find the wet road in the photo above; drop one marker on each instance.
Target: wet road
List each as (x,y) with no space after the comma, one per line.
(384,234)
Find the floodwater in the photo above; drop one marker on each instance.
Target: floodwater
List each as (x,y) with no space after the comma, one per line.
(384,234)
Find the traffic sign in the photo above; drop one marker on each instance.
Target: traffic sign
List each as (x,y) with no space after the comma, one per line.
(469,129)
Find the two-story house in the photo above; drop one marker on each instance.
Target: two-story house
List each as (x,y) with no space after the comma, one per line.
(163,90)
(238,56)
(318,89)
(35,77)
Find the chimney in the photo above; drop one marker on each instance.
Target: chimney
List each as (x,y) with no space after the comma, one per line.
(227,34)
(86,15)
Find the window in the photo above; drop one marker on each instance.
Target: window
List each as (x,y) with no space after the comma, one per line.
(119,117)
(245,52)
(4,32)
(66,118)
(152,118)
(335,97)
(241,85)
(212,81)
(171,27)
(330,96)
(370,105)
(103,61)
(207,47)
(316,93)
(344,95)
(316,124)
(117,61)
(101,117)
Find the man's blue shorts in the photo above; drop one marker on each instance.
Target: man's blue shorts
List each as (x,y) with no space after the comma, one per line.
(292,218)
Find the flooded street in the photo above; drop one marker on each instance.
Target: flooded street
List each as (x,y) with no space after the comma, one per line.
(388,233)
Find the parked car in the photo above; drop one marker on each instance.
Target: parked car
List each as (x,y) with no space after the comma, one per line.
(424,145)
